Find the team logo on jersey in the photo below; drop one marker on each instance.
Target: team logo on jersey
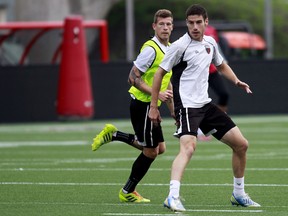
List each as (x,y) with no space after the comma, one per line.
(207,47)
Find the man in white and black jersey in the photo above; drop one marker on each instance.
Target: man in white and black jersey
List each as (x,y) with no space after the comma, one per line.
(189,58)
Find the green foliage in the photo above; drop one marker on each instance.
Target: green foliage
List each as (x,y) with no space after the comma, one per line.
(251,11)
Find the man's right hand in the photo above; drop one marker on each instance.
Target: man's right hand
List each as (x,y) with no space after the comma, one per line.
(166,95)
(154,115)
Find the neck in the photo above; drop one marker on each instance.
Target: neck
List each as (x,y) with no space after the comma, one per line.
(195,39)
(164,42)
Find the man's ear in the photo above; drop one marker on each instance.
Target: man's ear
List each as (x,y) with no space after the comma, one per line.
(206,22)
(153,26)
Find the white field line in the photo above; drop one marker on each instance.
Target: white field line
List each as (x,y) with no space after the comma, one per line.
(7,144)
(98,125)
(260,119)
(13,144)
(128,169)
(211,210)
(145,184)
(71,128)
(100,161)
(187,210)
(116,204)
(148,205)
(135,214)
(141,214)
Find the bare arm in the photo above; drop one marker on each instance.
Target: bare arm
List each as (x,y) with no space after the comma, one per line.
(225,69)
(170,103)
(135,80)
(154,113)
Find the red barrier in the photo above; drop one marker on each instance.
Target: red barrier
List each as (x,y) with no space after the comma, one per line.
(74,89)
(13,27)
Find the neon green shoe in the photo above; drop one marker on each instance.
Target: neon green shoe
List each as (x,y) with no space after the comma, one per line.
(105,136)
(132,197)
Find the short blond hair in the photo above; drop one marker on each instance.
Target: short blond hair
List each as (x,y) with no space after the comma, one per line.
(162,13)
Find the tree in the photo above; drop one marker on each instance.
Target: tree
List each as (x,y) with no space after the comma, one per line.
(251,11)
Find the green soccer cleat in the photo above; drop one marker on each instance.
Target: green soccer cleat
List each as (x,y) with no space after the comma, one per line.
(132,197)
(105,136)
(244,201)
(174,204)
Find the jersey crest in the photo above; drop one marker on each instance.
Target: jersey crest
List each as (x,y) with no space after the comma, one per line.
(208,50)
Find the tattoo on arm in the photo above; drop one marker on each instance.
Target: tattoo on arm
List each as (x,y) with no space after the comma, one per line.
(135,78)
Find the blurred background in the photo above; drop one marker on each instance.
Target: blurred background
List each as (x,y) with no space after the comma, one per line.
(252,36)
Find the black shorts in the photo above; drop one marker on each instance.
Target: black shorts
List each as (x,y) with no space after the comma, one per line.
(148,135)
(210,119)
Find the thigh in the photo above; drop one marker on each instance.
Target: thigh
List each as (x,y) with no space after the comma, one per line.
(188,120)
(216,122)
(234,138)
(148,135)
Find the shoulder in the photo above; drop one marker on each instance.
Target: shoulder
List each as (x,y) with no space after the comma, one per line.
(181,44)
(183,40)
(209,39)
(147,48)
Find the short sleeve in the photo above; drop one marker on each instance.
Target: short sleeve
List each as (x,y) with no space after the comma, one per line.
(217,58)
(145,59)
(172,57)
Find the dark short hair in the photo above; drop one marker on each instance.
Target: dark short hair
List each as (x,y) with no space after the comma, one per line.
(162,13)
(197,10)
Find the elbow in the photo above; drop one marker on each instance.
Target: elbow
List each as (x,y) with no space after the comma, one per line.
(130,81)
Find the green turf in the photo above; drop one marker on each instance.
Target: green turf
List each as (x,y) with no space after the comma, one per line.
(49,169)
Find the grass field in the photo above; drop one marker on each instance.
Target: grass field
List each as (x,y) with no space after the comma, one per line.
(49,169)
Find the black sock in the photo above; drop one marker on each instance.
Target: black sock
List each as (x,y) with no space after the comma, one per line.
(139,169)
(124,137)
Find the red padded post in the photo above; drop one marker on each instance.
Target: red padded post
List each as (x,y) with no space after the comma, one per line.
(74,98)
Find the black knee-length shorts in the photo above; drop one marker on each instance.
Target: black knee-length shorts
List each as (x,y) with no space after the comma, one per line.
(148,135)
(209,118)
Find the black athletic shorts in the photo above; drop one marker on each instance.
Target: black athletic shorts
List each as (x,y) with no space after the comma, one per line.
(148,135)
(210,119)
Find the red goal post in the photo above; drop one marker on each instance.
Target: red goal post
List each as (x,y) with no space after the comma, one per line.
(45,26)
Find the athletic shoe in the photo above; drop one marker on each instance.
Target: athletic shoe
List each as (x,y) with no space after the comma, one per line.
(105,136)
(244,201)
(174,204)
(132,197)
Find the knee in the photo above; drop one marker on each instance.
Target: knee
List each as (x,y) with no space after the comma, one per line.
(150,152)
(161,148)
(243,146)
(188,150)
(187,145)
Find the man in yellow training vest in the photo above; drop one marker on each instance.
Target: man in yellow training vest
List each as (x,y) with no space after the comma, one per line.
(148,136)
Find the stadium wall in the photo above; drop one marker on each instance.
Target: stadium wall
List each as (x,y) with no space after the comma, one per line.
(28,93)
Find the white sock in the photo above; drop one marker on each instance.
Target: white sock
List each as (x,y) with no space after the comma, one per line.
(174,188)
(238,186)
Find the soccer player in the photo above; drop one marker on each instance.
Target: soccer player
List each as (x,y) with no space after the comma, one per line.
(148,138)
(189,58)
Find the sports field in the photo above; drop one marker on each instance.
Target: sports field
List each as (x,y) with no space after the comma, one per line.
(49,169)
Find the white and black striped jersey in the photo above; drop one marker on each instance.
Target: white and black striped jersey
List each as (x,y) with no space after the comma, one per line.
(190,61)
